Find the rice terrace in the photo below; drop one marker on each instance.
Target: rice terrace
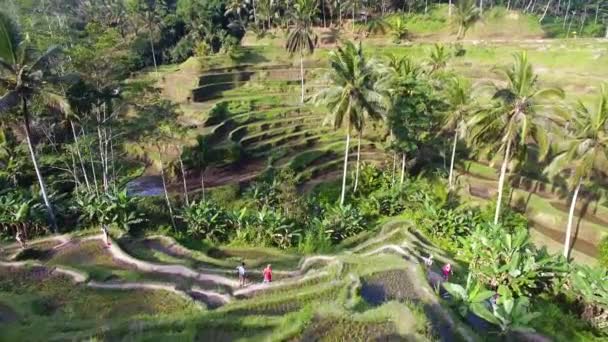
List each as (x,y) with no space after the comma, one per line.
(304,170)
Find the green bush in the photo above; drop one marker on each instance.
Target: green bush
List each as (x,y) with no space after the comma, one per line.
(206,220)
(603,251)
(340,222)
(500,257)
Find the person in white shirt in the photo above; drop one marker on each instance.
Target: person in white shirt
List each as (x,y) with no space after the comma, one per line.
(241,271)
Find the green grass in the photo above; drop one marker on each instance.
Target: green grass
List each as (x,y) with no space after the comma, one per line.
(51,305)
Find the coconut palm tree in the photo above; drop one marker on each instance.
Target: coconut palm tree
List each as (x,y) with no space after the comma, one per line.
(466,15)
(301,38)
(151,12)
(585,153)
(460,104)
(236,8)
(25,74)
(351,96)
(515,117)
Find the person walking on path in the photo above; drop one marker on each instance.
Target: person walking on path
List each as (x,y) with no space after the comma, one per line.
(447,271)
(268,274)
(19,237)
(428,262)
(241,271)
(106,236)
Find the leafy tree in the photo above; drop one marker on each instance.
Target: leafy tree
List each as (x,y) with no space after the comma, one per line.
(109,209)
(590,286)
(26,74)
(458,95)
(341,222)
(302,39)
(470,298)
(585,153)
(466,15)
(352,95)
(206,220)
(509,259)
(513,314)
(515,117)
(414,105)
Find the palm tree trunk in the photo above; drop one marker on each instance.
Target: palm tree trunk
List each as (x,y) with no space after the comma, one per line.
(302,74)
(84,170)
(402,169)
(162,176)
(90,148)
(570,220)
(340,12)
(358,163)
(28,134)
(343,195)
(451,177)
(566,15)
(394,167)
(450,8)
(181,165)
(354,10)
(153,52)
(501,181)
(203,183)
(545,12)
(323,11)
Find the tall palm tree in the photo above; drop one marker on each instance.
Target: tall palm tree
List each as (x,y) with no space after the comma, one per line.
(301,38)
(151,13)
(466,15)
(352,96)
(460,104)
(515,117)
(25,74)
(585,153)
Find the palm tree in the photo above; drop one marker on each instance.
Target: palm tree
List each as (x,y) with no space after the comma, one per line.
(352,96)
(236,8)
(585,155)
(460,103)
(301,37)
(25,74)
(515,117)
(466,15)
(438,58)
(151,13)
(376,25)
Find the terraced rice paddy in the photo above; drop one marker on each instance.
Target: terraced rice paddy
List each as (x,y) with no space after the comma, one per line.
(177,291)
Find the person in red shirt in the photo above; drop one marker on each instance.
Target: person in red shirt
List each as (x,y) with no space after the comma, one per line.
(267,274)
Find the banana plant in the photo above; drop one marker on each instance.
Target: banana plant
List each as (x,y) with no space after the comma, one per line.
(205,220)
(591,284)
(513,314)
(471,298)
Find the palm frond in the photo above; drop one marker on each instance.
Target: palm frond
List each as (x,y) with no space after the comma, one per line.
(10,38)
(8,101)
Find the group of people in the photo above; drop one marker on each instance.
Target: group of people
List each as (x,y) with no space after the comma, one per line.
(242,273)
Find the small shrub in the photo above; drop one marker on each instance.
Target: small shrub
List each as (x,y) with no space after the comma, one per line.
(44,306)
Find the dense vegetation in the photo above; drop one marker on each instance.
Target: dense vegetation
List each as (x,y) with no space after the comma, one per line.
(82,115)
